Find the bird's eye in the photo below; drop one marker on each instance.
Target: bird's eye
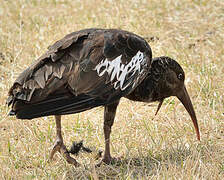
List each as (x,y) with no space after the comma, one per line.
(180,76)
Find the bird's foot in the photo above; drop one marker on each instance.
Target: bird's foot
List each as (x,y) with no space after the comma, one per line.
(66,155)
(57,145)
(60,147)
(109,161)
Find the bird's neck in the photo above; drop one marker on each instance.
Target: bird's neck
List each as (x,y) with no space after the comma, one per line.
(146,91)
(152,88)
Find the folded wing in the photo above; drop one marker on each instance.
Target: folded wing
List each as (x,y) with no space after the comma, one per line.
(83,70)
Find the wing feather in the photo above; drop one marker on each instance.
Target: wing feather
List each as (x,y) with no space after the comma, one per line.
(104,64)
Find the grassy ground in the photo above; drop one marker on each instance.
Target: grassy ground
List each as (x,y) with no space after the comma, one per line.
(164,147)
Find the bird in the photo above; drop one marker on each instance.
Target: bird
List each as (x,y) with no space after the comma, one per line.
(95,67)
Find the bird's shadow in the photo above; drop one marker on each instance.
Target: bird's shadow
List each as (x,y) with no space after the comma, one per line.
(136,167)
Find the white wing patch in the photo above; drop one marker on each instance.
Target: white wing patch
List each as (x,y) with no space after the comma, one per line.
(120,73)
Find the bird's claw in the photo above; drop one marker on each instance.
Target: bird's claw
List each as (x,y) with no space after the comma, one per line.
(61,148)
(108,161)
(57,145)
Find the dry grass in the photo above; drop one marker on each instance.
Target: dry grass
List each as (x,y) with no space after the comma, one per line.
(161,148)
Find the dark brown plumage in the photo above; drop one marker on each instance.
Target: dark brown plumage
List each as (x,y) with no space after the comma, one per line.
(66,71)
(90,68)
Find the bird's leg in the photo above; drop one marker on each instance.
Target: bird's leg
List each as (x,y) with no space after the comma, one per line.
(59,145)
(59,139)
(109,115)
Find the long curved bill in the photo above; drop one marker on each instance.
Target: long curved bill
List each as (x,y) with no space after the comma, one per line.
(186,101)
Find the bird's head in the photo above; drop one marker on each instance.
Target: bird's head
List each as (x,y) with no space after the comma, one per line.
(168,76)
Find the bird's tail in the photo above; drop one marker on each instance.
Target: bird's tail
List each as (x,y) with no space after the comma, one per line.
(58,105)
